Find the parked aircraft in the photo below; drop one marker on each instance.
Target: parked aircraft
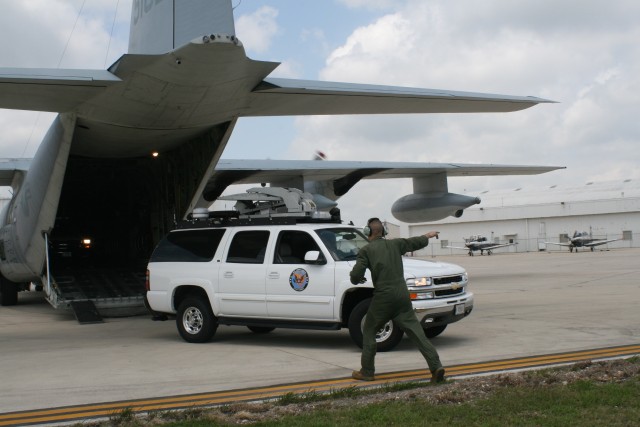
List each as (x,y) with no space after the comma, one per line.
(91,204)
(582,239)
(480,243)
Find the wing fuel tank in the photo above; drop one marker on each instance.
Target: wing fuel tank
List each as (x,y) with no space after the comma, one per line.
(424,207)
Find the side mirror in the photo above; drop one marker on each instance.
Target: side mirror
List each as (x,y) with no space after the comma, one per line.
(314,257)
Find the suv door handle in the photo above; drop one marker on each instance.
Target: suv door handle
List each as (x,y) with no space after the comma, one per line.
(274,275)
(228,274)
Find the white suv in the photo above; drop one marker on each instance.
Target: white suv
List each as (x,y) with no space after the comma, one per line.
(286,273)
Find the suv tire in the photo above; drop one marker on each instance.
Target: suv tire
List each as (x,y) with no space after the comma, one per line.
(387,338)
(435,331)
(195,320)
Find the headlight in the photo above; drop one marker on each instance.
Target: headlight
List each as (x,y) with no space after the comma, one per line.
(419,281)
(465,277)
(416,296)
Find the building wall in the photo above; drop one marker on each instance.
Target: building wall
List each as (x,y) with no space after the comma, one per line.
(531,233)
(393,229)
(532,223)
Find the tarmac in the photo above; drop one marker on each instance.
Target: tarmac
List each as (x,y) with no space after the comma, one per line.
(526,304)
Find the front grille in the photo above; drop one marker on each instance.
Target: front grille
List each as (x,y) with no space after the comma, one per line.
(449,292)
(446,280)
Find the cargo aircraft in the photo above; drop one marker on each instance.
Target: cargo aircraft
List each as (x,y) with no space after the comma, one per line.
(137,146)
(582,240)
(480,243)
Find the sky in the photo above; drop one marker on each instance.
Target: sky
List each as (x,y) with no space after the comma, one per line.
(583,55)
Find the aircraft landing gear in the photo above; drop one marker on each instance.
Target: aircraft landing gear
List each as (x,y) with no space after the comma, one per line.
(488,252)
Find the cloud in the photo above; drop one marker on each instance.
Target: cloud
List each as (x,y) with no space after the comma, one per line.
(257,30)
(584,55)
(291,69)
(55,34)
(370,4)
(22,132)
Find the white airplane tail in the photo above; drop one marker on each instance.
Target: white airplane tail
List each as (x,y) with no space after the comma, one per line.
(160,26)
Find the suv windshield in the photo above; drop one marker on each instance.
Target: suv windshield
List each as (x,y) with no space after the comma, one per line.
(343,243)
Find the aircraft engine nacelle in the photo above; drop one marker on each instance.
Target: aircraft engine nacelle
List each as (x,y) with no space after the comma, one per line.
(425,207)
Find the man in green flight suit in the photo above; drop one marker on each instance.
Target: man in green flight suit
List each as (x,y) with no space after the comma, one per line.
(391,299)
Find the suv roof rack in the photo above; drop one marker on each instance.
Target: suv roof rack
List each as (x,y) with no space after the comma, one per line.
(263,206)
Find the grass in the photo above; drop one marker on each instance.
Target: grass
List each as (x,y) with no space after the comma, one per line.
(584,403)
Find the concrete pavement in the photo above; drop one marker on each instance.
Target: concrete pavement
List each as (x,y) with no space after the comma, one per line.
(526,304)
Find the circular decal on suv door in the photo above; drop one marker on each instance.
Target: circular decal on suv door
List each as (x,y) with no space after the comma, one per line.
(299,279)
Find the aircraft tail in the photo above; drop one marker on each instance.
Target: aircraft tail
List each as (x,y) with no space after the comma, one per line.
(161,26)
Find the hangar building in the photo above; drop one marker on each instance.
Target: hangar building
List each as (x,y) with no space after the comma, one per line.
(531,217)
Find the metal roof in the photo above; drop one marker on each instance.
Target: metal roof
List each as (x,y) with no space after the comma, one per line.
(605,190)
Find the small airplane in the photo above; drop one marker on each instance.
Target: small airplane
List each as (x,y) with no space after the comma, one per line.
(138,145)
(582,240)
(480,243)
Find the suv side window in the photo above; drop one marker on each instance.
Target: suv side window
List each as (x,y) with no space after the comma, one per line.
(248,247)
(188,246)
(292,246)
(343,243)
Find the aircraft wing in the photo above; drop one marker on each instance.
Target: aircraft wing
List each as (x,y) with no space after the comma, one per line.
(286,97)
(228,172)
(499,246)
(456,247)
(598,242)
(10,168)
(49,89)
(559,244)
(264,170)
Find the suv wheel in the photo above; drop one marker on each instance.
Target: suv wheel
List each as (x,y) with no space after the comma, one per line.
(435,331)
(387,337)
(195,320)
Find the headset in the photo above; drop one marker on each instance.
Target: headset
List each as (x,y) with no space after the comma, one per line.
(367,230)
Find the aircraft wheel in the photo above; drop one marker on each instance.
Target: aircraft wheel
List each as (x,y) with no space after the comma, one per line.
(591,248)
(488,252)
(260,329)
(387,337)
(195,320)
(571,249)
(435,331)
(8,292)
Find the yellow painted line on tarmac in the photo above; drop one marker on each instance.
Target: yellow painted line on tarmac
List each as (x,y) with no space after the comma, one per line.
(101,410)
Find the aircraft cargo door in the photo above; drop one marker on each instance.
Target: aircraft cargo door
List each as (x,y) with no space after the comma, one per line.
(296,290)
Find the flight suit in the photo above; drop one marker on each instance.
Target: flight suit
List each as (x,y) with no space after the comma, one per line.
(390,297)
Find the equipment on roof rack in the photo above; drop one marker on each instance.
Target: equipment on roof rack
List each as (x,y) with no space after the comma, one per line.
(263,206)
(268,202)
